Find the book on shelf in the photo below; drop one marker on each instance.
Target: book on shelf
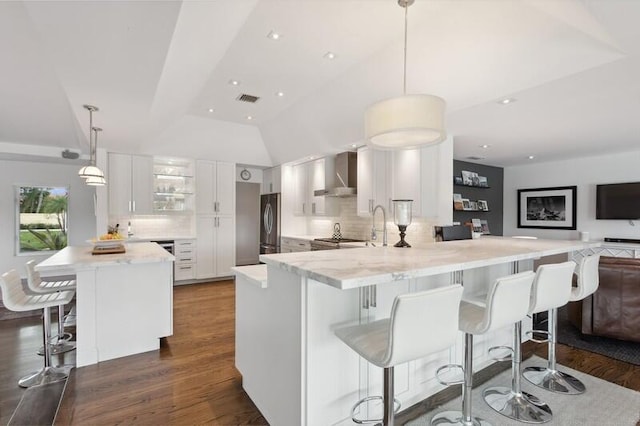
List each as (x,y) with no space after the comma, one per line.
(484,226)
(465,204)
(457,202)
(469,178)
(476,225)
(482,205)
(482,181)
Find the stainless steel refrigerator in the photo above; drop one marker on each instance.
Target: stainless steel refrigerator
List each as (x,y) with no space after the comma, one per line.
(270,223)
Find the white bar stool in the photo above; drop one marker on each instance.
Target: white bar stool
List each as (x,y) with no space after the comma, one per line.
(421,323)
(549,377)
(38,286)
(551,288)
(506,303)
(15,299)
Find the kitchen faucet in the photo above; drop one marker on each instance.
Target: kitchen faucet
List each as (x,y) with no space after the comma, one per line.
(374,235)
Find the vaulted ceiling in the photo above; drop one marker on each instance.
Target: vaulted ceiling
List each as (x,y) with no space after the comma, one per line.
(157,68)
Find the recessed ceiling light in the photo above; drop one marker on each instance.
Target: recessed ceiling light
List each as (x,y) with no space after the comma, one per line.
(273,35)
(485,146)
(506,101)
(279,94)
(234,82)
(311,157)
(531,157)
(210,109)
(353,145)
(329,55)
(249,117)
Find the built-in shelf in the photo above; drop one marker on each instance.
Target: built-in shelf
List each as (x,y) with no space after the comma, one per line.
(472,211)
(471,186)
(173,184)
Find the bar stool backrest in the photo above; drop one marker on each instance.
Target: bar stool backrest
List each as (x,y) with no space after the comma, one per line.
(551,286)
(33,276)
(13,296)
(507,301)
(423,323)
(588,277)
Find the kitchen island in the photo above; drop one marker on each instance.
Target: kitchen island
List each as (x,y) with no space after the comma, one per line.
(301,374)
(124,301)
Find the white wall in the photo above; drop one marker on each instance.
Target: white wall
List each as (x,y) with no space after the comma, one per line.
(208,139)
(82,220)
(586,173)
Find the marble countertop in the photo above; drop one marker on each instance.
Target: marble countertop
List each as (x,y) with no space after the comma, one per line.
(375,265)
(80,257)
(255,274)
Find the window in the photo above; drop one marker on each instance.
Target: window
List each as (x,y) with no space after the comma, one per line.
(42,218)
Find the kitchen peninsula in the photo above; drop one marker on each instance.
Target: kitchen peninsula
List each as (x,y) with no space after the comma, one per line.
(124,302)
(298,373)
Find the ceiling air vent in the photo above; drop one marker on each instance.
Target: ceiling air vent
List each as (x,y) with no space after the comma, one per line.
(473,157)
(247,98)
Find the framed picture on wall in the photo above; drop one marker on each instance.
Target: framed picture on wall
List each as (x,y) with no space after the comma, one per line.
(547,208)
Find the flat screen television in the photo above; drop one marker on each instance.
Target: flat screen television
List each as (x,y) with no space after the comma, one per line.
(618,201)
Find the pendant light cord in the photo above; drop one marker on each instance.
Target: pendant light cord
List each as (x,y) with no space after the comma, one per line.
(406,19)
(92,150)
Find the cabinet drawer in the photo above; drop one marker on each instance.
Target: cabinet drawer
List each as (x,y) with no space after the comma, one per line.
(184,272)
(185,258)
(294,244)
(187,248)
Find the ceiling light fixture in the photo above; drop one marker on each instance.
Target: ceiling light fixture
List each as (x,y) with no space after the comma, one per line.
(234,82)
(92,171)
(329,55)
(273,35)
(249,117)
(210,109)
(405,121)
(506,101)
(531,157)
(279,94)
(485,146)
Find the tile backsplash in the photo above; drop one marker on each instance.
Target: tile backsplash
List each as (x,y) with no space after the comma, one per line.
(153,226)
(354,226)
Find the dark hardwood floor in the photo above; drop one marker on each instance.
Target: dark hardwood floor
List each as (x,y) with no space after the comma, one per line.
(192,379)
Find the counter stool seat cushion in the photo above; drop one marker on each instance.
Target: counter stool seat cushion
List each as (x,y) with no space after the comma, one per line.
(15,299)
(394,341)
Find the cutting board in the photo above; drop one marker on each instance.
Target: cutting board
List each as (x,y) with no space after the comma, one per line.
(108,250)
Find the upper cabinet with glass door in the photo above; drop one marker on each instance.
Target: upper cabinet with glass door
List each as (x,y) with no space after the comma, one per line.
(173,185)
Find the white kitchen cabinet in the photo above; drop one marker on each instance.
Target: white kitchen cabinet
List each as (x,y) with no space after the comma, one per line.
(419,174)
(271,180)
(373,180)
(185,263)
(215,188)
(405,178)
(308,178)
(216,252)
(300,189)
(130,186)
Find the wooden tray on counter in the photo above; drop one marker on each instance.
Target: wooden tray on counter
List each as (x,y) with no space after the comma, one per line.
(109,250)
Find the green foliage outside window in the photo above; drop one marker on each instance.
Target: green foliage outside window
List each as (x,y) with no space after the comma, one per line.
(43,214)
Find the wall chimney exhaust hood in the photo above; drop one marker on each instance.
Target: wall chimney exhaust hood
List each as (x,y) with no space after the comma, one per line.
(346,177)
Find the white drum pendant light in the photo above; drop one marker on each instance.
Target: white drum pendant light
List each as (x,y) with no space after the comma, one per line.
(405,121)
(92,171)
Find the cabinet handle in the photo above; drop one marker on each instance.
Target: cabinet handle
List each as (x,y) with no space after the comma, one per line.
(374,296)
(129,208)
(313,208)
(185,267)
(186,251)
(134,205)
(303,209)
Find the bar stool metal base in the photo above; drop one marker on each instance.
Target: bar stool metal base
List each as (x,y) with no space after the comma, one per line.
(523,407)
(42,377)
(554,381)
(456,418)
